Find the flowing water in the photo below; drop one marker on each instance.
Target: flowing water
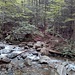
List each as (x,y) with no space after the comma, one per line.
(31,62)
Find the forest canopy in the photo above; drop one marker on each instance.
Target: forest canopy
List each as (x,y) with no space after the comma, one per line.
(56,16)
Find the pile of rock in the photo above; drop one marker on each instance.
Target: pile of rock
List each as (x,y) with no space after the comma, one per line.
(32,56)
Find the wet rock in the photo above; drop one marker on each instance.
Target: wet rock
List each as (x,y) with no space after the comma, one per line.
(28,62)
(21,65)
(4,59)
(2,47)
(61,70)
(70,67)
(33,57)
(9,47)
(12,55)
(35,53)
(23,56)
(17,63)
(19,57)
(18,48)
(4,51)
(10,72)
(31,62)
(44,59)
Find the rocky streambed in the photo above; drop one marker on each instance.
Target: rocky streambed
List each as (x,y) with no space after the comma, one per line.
(25,59)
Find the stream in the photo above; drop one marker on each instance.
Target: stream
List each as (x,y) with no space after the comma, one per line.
(16,60)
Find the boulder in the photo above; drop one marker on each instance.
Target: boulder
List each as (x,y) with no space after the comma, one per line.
(44,59)
(4,59)
(70,67)
(38,49)
(24,55)
(61,70)
(35,53)
(38,44)
(44,51)
(12,55)
(28,62)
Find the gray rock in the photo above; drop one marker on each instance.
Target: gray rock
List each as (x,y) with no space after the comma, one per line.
(71,73)
(33,57)
(61,70)
(3,73)
(26,47)
(44,51)
(35,53)
(28,62)
(10,66)
(4,59)
(24,55)
(4,51)
(44,59)
(38,49)
(30,44)
(38,44)
(12,55)
(10,72)
(17,63)
(18,48)
(2,47)
(22,44)
(19,57)
(70,67)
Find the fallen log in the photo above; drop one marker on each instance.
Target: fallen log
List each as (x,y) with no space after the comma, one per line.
(57,53)
(54,51)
